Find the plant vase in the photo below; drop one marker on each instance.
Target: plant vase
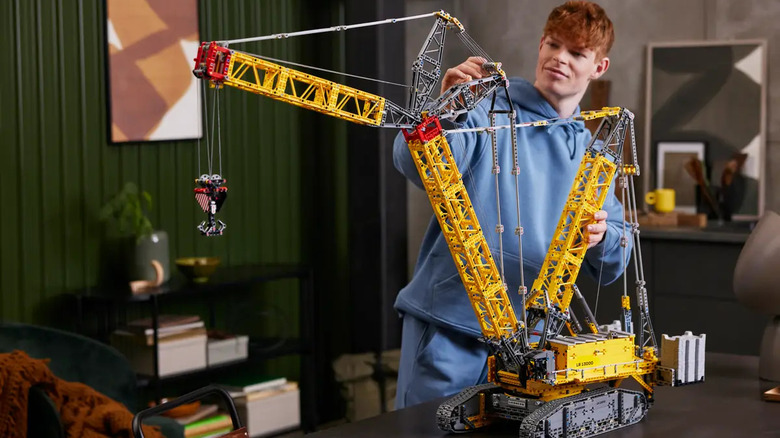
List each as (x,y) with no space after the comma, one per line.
(141,253)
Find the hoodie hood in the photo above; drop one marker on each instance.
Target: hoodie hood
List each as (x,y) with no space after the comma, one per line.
(527,97)
(524,95)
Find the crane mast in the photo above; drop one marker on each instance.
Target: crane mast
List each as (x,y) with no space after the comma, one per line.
(553,290)
(536,373)
(459,224)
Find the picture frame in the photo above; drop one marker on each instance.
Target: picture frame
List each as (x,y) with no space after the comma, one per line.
(713,92)
(152,93)
(671,173)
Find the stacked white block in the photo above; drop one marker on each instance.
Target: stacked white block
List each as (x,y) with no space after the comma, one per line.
(685,355)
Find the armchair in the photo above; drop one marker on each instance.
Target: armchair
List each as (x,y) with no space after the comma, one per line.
(75,358)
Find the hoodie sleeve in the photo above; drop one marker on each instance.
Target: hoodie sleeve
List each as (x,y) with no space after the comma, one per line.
(466,147)
(609,255)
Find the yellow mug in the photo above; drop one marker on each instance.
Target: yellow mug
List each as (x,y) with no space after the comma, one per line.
(661,199)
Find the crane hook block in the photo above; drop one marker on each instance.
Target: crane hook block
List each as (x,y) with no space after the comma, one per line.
(211,194)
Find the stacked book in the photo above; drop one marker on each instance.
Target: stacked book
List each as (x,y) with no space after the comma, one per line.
(226,347)
(265,404)
(181,344)
(212,424)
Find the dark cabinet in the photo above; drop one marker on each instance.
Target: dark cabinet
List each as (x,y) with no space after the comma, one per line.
(689,275)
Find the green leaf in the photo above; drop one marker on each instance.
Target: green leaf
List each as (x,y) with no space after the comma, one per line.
(126,211)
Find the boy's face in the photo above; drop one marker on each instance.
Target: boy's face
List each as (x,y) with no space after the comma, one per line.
(563,70)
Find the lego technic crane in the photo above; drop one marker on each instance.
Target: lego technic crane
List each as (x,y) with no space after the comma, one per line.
(537,375)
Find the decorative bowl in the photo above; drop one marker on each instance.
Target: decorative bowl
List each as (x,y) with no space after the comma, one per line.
(197,269)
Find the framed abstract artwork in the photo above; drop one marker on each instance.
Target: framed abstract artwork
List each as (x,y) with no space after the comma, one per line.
(712,93)
(153,94)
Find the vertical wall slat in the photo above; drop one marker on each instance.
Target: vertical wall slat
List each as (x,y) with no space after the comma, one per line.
(265,163)
(72,53)
(30,164)
(95,175)
(98,171)
(67,121)
(10,132)
(49,106)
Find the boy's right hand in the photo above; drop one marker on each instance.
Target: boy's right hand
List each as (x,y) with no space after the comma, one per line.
(469,70)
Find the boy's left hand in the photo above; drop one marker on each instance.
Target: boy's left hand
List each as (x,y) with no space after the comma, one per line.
(594,232)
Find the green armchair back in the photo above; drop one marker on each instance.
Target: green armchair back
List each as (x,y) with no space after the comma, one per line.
(75,358)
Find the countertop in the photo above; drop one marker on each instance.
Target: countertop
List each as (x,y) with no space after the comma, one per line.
(727,404)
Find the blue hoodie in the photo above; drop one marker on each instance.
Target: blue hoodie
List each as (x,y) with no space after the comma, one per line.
(549,158)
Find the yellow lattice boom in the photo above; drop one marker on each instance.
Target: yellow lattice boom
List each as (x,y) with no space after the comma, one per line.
(263,77)
(453,209)
(567,248)
(220,65)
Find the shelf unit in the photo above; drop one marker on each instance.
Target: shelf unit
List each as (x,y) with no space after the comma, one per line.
(107,306)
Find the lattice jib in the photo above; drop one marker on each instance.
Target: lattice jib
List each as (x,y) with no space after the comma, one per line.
(567,249)
(281,83)
(458,221)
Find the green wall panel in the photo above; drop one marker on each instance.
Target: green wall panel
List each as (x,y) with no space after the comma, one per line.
(59,167)
(10,278)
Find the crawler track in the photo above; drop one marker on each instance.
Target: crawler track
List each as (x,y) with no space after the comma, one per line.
(583,415)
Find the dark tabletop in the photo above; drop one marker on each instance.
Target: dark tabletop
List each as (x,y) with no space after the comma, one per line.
(728,404)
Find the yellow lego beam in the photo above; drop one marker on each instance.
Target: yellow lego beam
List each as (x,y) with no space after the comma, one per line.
(567,249)
(453,209)
(281,83)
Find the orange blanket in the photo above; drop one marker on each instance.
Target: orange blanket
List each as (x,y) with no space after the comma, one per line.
(85,413)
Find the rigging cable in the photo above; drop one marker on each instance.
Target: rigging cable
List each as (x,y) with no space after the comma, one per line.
(624,242)
(219,139)
(210,148)
(206,119)
(496,170)
(546,122)
(281,61)
(327,29)
(472,45)
(522,290)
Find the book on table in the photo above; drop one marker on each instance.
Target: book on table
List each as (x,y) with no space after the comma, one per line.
(148,339)
(265,393)
(240,384)
(169,327)
(205,410)
(166,324)
(163,321)
(210,426)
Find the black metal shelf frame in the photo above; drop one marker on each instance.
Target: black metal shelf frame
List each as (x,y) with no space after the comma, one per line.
(112,299)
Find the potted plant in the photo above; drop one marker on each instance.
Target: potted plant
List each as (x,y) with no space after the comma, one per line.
(126,213)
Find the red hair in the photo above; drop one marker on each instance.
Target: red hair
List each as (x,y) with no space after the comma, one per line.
(582,23)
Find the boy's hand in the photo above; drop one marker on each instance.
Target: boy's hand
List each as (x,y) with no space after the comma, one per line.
(468,70)
(594,232)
